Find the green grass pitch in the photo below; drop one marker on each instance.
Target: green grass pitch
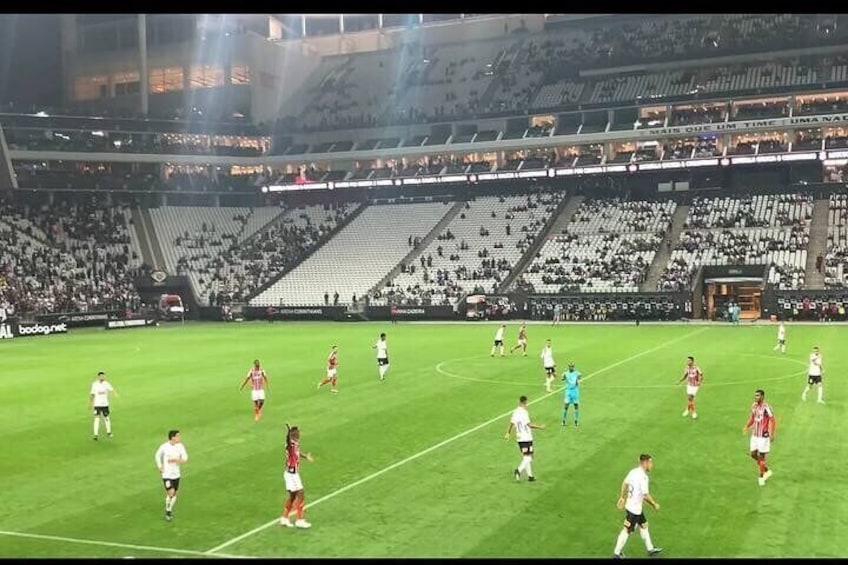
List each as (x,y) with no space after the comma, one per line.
(417,465)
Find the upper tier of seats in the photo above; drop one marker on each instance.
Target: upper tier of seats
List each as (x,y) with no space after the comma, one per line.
(413,84)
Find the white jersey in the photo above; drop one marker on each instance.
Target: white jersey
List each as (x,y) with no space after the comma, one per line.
(637,488)
(499,334)
(548,357)
(382,349)
(168,451)
(101,390)
(781,333)
(521,420)
(815,368)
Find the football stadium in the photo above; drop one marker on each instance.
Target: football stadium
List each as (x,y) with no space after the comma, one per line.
(423,285)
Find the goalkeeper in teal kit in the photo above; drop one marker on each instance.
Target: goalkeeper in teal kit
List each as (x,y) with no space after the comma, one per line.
(572,394)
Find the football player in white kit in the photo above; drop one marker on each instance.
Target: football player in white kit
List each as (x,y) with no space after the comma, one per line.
(781,338)
(814,375)
(382,348)
(549,364)
(520,420)
(99,402)
(499,340)
(169,457)
(634,491)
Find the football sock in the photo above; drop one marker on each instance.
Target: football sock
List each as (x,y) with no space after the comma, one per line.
(173,501)
(646,537)
(619,543)
(167,503)
(325,381)
(287,508)
(528,466)
(96,425)
(804,394)
(821,391)
(522,465)
(783,349)
(383,369)
(109,422)
(576,416)
(565,415)
(300,510)
(762,465)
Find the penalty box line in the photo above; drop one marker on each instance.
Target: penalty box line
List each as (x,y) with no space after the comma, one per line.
(120,545)
(443,443)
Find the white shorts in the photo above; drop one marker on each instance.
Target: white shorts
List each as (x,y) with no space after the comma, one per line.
(293,483)
(257,395)
(331,373)
(761,444)
(691,390)
(522,342)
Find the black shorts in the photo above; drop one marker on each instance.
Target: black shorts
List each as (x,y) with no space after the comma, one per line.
(551,370)
(101,411)
(525,447)
(814,379)
(498,343)
(171,484)
(382,362)
(781,342)
(632,520)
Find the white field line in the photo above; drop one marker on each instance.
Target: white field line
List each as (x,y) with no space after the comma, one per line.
(430,449)
(115,544)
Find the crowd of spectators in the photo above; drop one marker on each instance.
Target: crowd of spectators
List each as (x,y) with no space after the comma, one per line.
(782,250)
(67,258)
(229,270)
(481,258)
(508,73)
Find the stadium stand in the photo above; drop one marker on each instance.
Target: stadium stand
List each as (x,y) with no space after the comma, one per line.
(476,251)
(607,247)
(541,70)
(771,230)
(837,242)
(242,269)
(67,258)
(192,238)
(375,242)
